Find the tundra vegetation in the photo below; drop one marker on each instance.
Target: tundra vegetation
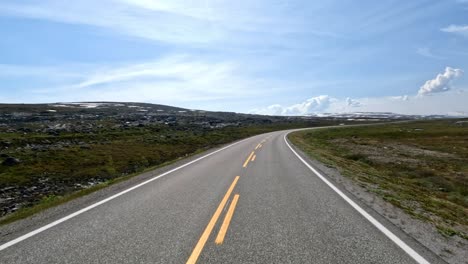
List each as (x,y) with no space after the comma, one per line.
(53,153)
(419,166)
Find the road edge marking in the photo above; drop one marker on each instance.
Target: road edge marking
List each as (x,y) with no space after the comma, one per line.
(227,220)
(395,239)
(81,211)
(209,228)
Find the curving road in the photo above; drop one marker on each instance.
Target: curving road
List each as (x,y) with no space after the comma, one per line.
(251,202)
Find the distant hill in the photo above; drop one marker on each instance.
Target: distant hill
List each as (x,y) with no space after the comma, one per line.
(382,116)
(131,111)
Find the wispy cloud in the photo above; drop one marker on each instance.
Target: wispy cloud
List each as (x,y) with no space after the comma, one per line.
(457,29)
(426,52)
(177,68)
(173,21)
(175,79)
(7,70)
(119,17)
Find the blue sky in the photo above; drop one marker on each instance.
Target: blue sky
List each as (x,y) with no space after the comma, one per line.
(269,57)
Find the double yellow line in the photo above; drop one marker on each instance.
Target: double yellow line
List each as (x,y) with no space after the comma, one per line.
(222,232)
(209,228)
(227,219)
(252,155)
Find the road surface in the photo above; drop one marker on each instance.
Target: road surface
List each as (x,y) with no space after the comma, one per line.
(251,202)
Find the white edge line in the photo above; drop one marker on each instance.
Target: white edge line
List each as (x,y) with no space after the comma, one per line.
(61,220)
(415,255)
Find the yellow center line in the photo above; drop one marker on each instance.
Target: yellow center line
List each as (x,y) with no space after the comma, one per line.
(248,159)
(254,157)
(257,146)
(209,228)
(227,219)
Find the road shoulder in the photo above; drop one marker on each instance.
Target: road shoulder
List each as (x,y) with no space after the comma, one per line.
(419,235)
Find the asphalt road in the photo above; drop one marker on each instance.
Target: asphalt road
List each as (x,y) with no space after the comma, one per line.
(229,207)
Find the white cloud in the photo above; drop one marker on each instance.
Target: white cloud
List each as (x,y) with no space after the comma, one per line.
(457,29)
(441,83)
(400,98)
(353,103)
(275,109)
(442,104)
(312,105)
